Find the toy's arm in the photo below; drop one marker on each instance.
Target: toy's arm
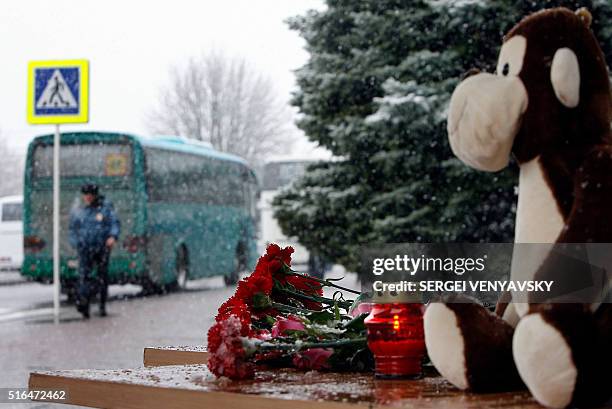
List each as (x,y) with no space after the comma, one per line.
(589,221)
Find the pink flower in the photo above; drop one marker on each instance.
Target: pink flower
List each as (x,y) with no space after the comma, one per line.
(362,308)
(312,359)
(227,354)
(282,325)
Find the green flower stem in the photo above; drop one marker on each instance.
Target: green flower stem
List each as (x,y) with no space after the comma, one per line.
(326,283)
(291,309)
(315,298)
(269,346)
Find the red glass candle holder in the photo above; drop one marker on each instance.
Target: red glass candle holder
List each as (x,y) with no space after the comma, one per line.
(396,339)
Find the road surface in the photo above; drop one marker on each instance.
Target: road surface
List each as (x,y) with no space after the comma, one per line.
(30,341)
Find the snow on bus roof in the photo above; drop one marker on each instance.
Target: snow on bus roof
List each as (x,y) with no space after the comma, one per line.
(168,142)
(182,139)
(187,145)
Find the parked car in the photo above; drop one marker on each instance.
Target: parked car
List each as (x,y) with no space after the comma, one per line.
(11,232)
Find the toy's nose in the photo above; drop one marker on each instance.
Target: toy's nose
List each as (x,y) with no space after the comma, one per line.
(469,73)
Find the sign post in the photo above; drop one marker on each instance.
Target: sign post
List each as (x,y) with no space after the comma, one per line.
(56,224)
(58,93)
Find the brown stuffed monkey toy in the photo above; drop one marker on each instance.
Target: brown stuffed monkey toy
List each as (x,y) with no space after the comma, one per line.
(548,105)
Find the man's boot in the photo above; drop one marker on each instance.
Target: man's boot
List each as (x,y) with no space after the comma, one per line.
(83,308)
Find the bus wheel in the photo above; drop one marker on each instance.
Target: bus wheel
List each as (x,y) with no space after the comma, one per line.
(182,268)
(239,266)
(181,271)
(150,287)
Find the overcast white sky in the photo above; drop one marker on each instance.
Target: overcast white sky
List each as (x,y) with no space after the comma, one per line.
(131,46)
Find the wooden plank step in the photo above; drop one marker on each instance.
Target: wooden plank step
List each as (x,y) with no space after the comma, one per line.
(169,355)
(192,386)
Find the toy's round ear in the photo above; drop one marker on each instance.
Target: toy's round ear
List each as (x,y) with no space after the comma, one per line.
(565,77)
(585,16)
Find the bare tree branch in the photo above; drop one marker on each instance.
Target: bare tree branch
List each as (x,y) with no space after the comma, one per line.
(226,102)
(11,174)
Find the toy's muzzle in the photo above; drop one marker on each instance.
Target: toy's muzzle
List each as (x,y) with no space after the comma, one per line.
(484,117)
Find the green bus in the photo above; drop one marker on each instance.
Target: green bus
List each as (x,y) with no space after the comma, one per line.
(186,210)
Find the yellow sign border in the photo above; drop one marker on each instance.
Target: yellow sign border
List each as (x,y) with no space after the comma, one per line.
(83,115)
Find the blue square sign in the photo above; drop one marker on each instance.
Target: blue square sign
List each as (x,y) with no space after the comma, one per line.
(58,91)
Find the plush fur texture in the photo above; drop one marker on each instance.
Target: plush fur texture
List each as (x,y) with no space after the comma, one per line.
(551,384)
(471,347)
(571,366)
(555,121)
(444,342)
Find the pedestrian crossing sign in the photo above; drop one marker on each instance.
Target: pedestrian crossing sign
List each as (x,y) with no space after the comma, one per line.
(58,92)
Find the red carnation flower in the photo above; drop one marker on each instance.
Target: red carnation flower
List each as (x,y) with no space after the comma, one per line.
(227,354)
(214,338)
(306,285)
(275,252)
(237,308)
(254,284)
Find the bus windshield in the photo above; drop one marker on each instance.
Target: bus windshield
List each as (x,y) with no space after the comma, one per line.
(97,159)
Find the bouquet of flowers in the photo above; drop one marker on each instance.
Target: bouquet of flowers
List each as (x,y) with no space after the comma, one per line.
(279,317)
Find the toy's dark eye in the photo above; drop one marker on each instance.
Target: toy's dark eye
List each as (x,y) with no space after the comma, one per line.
(506,70)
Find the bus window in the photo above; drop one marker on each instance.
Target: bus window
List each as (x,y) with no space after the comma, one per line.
(85,160)
(231,186)
(179,177)
(166,172)
(11,212)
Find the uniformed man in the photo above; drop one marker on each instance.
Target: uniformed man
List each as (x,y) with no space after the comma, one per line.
(94,229)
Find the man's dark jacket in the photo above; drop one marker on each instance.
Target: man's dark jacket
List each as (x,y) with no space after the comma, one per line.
(92,225)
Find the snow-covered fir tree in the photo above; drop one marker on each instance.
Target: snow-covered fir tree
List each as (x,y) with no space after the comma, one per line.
(375,92)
